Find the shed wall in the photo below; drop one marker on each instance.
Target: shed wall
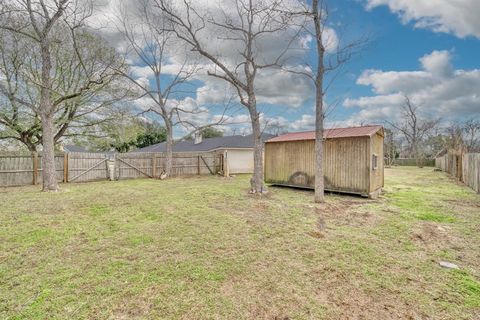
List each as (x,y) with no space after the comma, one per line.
(377,175)
(346,164)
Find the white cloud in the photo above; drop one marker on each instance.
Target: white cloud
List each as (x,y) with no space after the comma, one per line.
(141,72)
(330,40)
(273,86)
(437,63)
(438,89)
(306,122)
(283,88)
(459,17)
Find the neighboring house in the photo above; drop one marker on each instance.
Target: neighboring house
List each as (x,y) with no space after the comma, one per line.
(353,160)
(73,148)
(239,149)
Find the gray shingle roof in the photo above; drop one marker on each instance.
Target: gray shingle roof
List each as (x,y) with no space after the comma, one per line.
(228,142)
(73,148)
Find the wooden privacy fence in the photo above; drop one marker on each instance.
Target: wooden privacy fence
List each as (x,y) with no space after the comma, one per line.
(17,170)
(463,166)
(152,165)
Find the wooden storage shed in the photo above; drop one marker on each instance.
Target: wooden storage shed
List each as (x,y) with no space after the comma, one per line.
(353,160)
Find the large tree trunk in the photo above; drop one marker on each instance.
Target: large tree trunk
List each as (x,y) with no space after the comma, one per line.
(169,150)
(257,179)
(48,125)
(48,156)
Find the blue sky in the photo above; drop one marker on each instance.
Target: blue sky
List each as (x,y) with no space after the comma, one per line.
(393,46)
(425,49)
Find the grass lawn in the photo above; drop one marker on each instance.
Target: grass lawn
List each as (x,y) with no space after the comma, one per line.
(196,248)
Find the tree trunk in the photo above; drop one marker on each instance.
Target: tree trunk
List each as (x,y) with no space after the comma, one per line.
(169,151)
(319,117)
(32,147)
(257,179)
(319,179)
(48,125)
(48,156)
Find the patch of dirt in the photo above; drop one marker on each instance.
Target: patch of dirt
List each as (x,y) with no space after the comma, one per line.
(457,238)
(345,212)
(362,305)
(135,306)
(316,234)
(432,236)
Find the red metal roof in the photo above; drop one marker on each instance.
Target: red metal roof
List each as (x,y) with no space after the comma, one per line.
(363,131)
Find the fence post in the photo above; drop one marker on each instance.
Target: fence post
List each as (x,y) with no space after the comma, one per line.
(154,166)
(215,163)
(35,167)
(198,165)
(65,167)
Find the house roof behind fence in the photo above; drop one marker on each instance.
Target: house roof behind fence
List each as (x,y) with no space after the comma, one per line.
(74,148)
(363,131)
(208,144)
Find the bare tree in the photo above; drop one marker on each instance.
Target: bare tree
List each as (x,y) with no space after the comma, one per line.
(471,129)
(454,138)
(17,120)
(319,23)
(330,56)
(73,117)
(462,135)
(390,146)
(53,28)
(243,26)
(415,129)
(151,44)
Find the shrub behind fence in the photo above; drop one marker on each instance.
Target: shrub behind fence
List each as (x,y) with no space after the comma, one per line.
(413,162)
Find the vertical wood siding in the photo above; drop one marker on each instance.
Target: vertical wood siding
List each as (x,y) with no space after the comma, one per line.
(346,163)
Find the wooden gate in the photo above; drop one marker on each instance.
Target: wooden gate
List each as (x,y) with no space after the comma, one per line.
(82,167)
(134,165)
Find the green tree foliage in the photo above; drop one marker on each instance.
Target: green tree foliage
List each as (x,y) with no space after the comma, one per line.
(126,133)
(208,132)
(211,132)
(154,133)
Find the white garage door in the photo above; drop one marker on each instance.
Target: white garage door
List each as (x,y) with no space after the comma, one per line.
(240,161)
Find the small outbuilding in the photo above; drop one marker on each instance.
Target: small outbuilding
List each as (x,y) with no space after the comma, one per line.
(237,150)
(353,160)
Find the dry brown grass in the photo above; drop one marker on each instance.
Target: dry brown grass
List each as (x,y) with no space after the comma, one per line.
(203,248)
